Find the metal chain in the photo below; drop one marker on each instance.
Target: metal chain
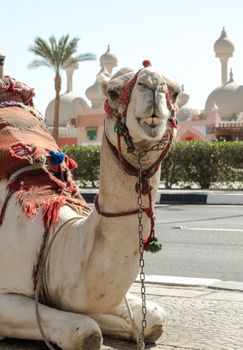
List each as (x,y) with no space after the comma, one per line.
(140,341)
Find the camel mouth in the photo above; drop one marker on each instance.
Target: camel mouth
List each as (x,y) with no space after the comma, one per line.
(151,125)
(152,121)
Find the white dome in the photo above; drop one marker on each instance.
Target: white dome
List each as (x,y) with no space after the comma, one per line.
(70,107)
(182,98)
(94,92)
(108,60)
(187,112)
(223,46)
(228,98)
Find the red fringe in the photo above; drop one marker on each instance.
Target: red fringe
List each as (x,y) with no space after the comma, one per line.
(50,211)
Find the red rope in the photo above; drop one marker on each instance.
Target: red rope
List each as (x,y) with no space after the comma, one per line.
(132,171)
(149,211)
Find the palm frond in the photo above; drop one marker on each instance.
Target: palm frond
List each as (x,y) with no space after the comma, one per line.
(86,57)
(57,54)
(70,49)
(40,63)
(41,48)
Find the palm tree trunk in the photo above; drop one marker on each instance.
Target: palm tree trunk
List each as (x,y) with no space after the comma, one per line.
(58,82)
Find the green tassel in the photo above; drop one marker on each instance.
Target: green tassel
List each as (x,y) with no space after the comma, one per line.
(117,128)
(154,246)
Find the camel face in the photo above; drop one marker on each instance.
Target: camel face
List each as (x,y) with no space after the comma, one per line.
(148,113)
(151,100)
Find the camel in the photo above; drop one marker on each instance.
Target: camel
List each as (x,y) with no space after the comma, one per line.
(94,257)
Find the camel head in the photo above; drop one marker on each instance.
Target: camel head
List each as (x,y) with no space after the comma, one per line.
(145,101)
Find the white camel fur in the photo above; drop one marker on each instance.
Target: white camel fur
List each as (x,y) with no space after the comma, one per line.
(94,260)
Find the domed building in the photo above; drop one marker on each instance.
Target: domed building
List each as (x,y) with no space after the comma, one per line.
(228,98)
(223,114)
(81,124)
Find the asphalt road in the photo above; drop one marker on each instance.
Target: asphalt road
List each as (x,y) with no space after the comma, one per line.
(202,241)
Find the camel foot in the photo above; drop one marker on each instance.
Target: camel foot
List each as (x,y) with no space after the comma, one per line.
(117,323)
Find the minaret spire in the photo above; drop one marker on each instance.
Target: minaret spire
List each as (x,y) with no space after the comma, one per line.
(224,49)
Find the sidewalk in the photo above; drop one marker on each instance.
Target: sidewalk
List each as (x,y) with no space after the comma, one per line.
(199,318)
(175,196)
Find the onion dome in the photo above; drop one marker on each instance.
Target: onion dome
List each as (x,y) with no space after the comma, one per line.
(94,93)
(182,98)
(70,107)
(108,60)
(186,112)
(228,99)
(223,46)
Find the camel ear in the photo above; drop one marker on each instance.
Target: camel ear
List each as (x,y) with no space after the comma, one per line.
(117,81)
(173,87)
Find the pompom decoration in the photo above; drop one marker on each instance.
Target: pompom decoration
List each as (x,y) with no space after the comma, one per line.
(57,157)
(153,245)
(146,63)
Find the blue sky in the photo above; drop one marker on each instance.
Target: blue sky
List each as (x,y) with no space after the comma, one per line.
(177,36)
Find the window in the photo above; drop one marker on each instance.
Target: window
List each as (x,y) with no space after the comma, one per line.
(91,133)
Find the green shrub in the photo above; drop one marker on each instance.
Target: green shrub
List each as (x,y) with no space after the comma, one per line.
(171,169)
(203,163)
(88,159)
(206,164)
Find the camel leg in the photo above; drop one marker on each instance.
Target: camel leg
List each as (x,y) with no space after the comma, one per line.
(68,330)
(117,323)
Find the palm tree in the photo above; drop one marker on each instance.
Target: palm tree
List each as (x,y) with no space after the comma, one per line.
(56,55)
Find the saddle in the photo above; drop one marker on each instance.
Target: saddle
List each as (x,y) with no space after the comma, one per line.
(30,158)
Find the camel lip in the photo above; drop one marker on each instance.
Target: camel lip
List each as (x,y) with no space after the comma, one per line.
(152,121)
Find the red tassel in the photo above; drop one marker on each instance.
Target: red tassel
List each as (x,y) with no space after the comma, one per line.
(70,163)
(51,210)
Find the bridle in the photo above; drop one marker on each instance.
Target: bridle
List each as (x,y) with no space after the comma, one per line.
(163,145)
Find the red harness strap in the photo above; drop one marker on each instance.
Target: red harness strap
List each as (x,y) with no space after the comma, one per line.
(149,211)
(131,170)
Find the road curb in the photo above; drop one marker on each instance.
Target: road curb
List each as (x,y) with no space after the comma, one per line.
(176,281)
(199,197)
(184,197)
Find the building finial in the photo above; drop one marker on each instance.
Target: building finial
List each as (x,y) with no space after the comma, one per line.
(2,58)
(231,79)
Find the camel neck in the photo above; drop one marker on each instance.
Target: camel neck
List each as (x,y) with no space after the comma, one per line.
(117,188)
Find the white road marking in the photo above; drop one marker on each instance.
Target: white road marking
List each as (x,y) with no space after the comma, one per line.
(208,229)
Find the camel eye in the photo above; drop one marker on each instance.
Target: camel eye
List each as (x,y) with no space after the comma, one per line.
(142,85)
(113,94)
